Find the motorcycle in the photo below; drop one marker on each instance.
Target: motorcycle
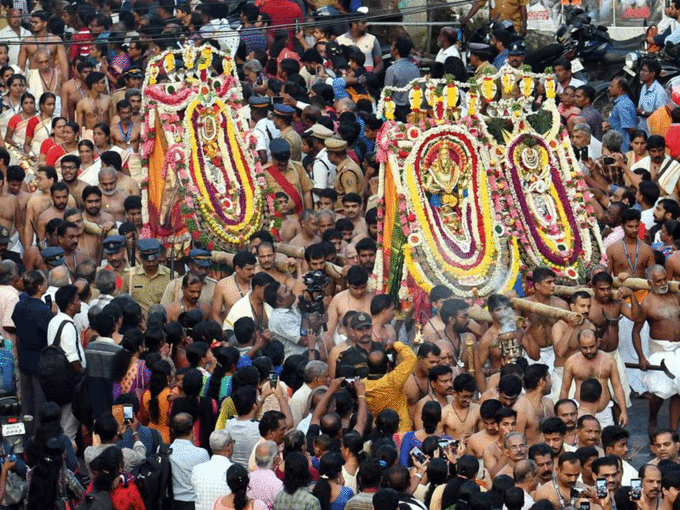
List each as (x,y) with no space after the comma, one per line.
(13,426)
(594,55)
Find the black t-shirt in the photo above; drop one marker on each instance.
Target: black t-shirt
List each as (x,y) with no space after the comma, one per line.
(357,357)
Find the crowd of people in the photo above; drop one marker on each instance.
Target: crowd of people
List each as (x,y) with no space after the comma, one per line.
(156,383)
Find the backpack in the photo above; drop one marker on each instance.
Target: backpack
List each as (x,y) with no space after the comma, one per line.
(7,380)
(99,500)
(154,480)
(57,378)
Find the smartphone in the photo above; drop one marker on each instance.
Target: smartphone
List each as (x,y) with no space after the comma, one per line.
(585,505)
(297,26)
(277,100)
(273,379)
(636,489)
(48,301)
(418,454)
(601,488)
(444,443)
(584,154)
(608,160)
(128,415)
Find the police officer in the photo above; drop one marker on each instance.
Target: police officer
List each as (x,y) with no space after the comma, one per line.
(199,264)
(146,283)
(283,120)
(348,178)
(285,175)
(116,259)
(53,256)
(263,128)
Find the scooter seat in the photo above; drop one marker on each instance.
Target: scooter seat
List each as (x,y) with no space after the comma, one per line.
(613,58)
(629,44)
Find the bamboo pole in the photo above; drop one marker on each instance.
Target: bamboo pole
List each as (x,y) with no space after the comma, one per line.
(479,314)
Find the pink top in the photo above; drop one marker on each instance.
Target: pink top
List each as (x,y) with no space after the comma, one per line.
(255,504)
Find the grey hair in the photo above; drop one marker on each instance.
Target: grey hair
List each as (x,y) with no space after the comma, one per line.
(523,469)
(265,453)
(157,308)
(514,434)
(314,369)
(306,214)
(346,101)
(612,140)
(583,127)
(106,170)
(219,440)
(105,281)
(252,66)
(326,212)
(132,92)
(653,269)
(59,277)
(8,270)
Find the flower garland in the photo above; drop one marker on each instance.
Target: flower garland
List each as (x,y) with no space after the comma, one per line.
(221,188)
(500,233)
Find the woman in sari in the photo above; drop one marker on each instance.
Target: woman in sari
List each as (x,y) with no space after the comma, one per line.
(57,137)
(101,133)
(18,123)
(88,164)
(11,102)
(68,146)
(39,127)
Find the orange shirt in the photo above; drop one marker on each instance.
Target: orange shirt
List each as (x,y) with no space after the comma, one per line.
(163,423)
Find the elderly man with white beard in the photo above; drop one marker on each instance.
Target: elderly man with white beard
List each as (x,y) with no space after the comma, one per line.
(661,310)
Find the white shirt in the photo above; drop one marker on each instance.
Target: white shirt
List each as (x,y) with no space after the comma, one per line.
(298,402)
(323,171)
(70,341)
(210,481)
(573,82)
(243,308)
(443,54)
(10,36)
(647,217)
(265,131)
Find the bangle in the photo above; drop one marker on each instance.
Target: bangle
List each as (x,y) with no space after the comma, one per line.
(135,433)
(419,476)
(362,396)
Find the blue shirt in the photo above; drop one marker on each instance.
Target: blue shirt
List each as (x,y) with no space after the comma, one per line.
(651,99)
(500,59)
(31,317)
(622,118)
(399,74)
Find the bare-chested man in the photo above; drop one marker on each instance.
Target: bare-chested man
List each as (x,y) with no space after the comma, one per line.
(382,313)
(434,327)
(15,186)
(11,213)
(40,200)
(192,285)
(589,362)
(461,419)
(630,254)
(489,434)
(567,411)
(90,244)
(564,335)
(95,107)
(309,232)
(461,342)
(113,197)
(125,133)
(60,195)
(506,422)
(515,449)
(266,255)
(355,297)
(45,77)
(92,202)
(534,405)
(418,385)
(74,89)
(133,211)
(232,288)
(41,38)
(67,234)
(489,347)
(441,391)
(540,326)
(69,174)
(560,493)
(661,310)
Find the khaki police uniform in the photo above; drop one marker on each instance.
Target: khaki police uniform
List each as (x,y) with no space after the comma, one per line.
(174,291)
(146,290)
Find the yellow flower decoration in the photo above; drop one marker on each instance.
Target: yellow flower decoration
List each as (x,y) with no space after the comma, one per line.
(153,75)
(188,55)
(169,62)
(206,59)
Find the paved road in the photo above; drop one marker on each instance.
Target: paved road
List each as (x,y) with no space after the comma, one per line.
(637,426)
